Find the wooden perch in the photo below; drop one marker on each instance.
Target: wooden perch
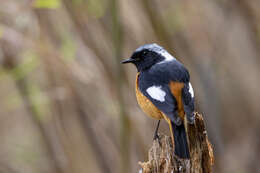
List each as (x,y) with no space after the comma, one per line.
(161,158)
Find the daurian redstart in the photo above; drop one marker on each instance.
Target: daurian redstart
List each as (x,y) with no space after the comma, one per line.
(163,90)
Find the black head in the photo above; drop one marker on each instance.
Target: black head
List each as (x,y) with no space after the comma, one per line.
(147,55)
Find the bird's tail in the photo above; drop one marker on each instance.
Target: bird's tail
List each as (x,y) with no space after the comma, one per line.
(180,141)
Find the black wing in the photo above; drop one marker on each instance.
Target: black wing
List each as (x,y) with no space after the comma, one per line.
(169,71)
(154,84)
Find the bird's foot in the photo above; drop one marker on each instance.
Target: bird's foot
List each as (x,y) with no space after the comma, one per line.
(156,137)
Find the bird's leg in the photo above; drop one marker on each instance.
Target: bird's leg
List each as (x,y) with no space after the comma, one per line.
(156,136)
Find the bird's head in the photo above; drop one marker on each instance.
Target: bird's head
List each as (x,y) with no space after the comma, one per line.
(147,55)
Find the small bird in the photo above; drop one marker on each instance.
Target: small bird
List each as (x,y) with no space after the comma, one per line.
(163,91)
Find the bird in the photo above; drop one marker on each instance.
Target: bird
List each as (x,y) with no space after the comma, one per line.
(163,91)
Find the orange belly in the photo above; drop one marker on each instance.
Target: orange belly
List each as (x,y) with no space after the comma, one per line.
(146,105)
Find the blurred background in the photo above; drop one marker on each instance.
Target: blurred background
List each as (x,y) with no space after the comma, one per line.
(68,106)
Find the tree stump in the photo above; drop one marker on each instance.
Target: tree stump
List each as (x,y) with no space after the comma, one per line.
(161,157)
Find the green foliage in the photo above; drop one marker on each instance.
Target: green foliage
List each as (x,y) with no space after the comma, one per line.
(39,102)
(51,4)
(77,1)
(68,48)
(30,62)
(96,8)
(37,99)
(13,102)
(24,152)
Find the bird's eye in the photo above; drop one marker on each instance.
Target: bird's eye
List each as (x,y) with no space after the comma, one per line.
(145,52)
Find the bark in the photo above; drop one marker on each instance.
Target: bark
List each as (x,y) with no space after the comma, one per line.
(161,157)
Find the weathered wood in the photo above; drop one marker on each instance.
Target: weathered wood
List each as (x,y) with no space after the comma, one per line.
(161,158)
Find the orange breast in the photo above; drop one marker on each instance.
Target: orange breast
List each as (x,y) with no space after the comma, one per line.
(176,89)
(146,105)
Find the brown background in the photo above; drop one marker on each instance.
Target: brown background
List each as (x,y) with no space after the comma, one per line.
(67,105)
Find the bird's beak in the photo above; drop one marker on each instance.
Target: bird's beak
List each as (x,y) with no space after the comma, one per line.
(127,61)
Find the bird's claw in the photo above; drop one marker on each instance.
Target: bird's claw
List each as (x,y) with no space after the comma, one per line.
(156,137)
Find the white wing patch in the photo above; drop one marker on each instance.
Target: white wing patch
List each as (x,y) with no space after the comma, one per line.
(191,90)
(156,93)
